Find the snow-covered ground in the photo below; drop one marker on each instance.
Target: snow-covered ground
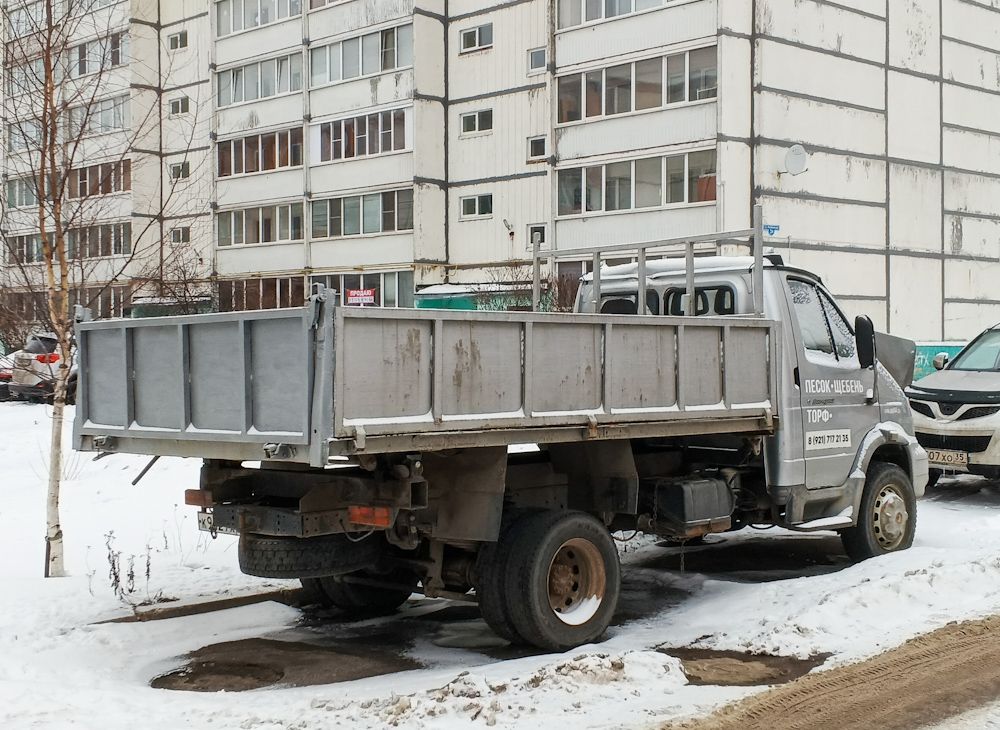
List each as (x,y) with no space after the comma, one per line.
(60,668)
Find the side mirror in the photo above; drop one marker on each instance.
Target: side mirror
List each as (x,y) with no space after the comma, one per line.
(940,361)
(864,337)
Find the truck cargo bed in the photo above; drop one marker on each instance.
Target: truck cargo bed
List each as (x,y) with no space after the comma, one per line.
(308,383)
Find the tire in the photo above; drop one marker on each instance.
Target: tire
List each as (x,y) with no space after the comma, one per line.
(932,477)
(492,567)
(313,593)
(567,560)
(306,557)
(362,600)
(887,519)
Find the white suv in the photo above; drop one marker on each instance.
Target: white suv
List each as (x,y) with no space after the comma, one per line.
(36,368)
(956,411)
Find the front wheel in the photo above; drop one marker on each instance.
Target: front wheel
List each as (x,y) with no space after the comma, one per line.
(563,580)
(887,519)
(932,477)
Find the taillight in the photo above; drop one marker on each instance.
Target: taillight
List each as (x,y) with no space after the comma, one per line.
(48,359)
(371,516)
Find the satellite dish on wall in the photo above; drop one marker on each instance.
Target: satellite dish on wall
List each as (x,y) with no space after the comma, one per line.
(795,160)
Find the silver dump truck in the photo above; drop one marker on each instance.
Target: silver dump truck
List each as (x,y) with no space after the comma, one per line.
(372,453)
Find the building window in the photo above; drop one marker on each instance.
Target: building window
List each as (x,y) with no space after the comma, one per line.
(181,235)
(179,106)
(98,55)
(635,184)
(29,18)
(370,134)
(357,215)
(536,230)
(114,177)
(385,289)
(26,249)
(363,56)
(180,170)
(649,84)
(22,192)
(575,12)
(100,117)
(104,301)
(178,41)
(237,295)
(266,224)
(236,15)
(260,152)
(478,38)
(481,121)
(24,135)
(536,60)
(703,74)
(100,241)
(260,80)
(477,206)
(26,78)
(536,148)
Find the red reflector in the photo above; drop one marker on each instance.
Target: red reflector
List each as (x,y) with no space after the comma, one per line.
(48,359)
(372,516)
(198,498)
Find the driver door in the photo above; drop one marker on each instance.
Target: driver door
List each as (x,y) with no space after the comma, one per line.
(838,406)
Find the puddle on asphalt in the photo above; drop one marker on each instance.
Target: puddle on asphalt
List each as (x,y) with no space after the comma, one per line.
(237,666)
(740,669)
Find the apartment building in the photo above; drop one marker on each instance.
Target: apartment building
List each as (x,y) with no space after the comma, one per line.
(378,146)
(601,121)
(132,158)
(897,207)
(360,148)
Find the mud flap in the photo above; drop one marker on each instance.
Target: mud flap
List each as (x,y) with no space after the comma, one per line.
(465,493)
(602,475)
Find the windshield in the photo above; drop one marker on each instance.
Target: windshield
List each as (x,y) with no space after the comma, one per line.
(981,354)
(40,345)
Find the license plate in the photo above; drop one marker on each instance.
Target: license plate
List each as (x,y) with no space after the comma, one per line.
(206,524)
(940,457)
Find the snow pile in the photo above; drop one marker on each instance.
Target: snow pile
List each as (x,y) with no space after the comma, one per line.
(568,687)
(856,613)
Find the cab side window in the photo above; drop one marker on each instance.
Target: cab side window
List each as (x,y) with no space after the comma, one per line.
(809,311)
(843,337)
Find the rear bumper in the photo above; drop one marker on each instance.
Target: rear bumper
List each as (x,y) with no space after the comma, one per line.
(38,390)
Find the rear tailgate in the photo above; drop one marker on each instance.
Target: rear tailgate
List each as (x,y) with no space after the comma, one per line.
(224,384)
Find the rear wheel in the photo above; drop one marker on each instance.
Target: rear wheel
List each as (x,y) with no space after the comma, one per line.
(492,567)
(887,519)
(360,599)
(564,578)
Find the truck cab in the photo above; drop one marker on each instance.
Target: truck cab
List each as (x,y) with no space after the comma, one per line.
(837,414)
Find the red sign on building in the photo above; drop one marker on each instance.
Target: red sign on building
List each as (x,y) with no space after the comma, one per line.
(361,296)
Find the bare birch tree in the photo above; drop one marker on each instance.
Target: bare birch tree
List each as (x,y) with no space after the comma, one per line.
(71,127)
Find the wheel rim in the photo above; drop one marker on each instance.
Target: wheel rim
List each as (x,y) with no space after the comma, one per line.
(890,517)
(577,581)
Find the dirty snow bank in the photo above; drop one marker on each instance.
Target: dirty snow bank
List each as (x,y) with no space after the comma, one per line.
(589,685)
